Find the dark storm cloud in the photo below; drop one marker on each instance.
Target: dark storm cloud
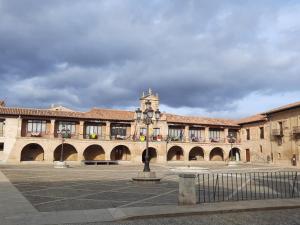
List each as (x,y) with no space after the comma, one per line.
(197,54)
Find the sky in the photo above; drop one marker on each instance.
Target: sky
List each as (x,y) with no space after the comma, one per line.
(227,59)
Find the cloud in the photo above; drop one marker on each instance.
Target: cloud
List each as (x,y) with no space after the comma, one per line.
(201,56)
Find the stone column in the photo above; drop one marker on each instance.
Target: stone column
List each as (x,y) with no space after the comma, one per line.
(206,134)
(52,127)
(225,135)
(107,131)
(19,134)
(186,134)
(187,189)
(81,129)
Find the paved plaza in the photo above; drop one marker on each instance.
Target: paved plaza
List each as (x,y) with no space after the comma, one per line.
(47,189)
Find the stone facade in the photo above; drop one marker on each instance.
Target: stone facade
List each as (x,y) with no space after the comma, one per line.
(31,135)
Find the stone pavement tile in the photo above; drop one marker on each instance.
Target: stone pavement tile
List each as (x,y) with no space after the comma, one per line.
(120,196)
(76,204)
(59,192)
(96,187)
(24,188)
(39,199)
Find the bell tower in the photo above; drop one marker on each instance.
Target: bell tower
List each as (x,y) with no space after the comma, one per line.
(153,98)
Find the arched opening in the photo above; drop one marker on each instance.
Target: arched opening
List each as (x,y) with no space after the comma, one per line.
(216,154)
(69,153)
(32,152)
(197,154)
(120,152)
(235,155)
(94,152)
(152,155)
(175,153)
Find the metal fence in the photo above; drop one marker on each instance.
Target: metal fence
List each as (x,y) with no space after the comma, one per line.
(217,187)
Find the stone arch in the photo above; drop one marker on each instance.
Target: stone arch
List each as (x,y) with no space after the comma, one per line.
(32,152)
(94,152)
(120,152)
(196,153)
(69,153)
(234,154)
(216,154)
(152,155)
(175,153)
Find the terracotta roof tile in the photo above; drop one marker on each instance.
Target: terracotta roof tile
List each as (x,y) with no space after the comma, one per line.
(252,119)
(171,118)
(38,112)
(282,108)
(110,114)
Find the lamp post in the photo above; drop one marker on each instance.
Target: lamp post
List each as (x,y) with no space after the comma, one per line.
(147,120)
(65,133)
(231,140)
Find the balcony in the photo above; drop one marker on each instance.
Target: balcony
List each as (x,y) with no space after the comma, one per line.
(197,139)
(94,136)
(35,134)
(277,132)
(152,138)
(217,140)
(296,130)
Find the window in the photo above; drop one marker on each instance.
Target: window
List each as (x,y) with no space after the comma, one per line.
(119,131)
(1,128)
(143,131)
(93,129)
(248,134)
(262,132)
(261,148)
(232,133)
(214,134)
(1,147)
(175,133)
(280,128)
(156,131)
(195,134)
(70,126)
(36,126)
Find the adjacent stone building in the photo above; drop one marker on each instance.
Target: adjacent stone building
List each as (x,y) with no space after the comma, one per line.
(33,135)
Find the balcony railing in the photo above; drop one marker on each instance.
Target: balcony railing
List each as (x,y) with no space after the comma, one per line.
(217,140)
(277,132)
(94,136)
(296,130)
(197,139)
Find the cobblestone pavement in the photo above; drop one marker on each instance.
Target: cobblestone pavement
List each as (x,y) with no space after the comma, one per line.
(97,187)
(276,217)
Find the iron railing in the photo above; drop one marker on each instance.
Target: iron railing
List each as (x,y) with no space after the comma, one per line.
(221,187)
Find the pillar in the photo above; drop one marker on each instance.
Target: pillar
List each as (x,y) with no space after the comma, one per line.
(81,130)
(206,134)
(187,189)
(225,135)
(52,127)
(186,134)
(107,131)
(19,134)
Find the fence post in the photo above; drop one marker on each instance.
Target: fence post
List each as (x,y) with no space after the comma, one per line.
(187,189)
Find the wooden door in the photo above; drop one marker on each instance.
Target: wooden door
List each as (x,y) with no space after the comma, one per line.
(247,155)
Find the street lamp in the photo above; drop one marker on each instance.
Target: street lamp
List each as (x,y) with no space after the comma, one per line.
(231,140)
(147,120)
(64,133)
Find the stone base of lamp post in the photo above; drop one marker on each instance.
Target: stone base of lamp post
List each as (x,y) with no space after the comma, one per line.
(233,163)
(60,165)
(146,177)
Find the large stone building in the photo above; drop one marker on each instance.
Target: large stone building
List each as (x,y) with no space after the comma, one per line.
(33,135)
